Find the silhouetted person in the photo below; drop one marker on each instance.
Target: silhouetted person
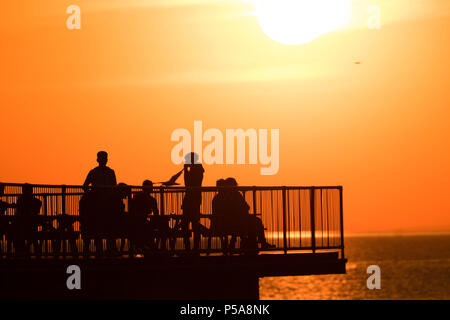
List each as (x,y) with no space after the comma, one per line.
(235,215)
(193,177)
(65,231)
(4,205)
(238,209)
(101,216)
(102,201)
(220,217)
(173,180)
(147,223)
(119,218)
(5,228)
(219,213)
(143,204)
(27,212)
(102,175)
(88,227)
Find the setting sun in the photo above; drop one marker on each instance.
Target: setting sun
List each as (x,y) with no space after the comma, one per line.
(294,22)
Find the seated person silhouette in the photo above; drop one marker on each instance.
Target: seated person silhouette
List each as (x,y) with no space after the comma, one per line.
(120,218)
(4,205)
(146,222)
(239,218)
(236,213)
(220,220)
(88,221)
(4,220)
(193,177)
(219,214)
(26,223)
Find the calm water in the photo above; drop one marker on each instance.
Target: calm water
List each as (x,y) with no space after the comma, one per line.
(412,267)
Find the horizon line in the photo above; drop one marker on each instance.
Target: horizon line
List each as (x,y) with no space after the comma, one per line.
(396,233)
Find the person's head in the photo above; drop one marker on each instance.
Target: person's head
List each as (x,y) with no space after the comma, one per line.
(102,158)
(191,158)
(231,182)
(27,189)
(220,184)
(147,186)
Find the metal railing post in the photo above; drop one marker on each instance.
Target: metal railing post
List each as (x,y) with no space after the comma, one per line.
(313,222)
(341,213)
(63,199)
(44,208)
(161,200)
(254,199)
(63,211)
(44,205)
(285,247)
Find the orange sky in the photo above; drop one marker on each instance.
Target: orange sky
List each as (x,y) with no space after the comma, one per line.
(137,70)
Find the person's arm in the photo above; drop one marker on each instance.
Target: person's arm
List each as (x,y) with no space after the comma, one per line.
(114,180)
(88,180)
(202,174)
(186,175)
(244,205)
(213,206)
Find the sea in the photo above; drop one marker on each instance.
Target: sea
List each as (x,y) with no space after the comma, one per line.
(413,267)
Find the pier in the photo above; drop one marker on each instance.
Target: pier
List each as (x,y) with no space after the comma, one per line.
(304,225)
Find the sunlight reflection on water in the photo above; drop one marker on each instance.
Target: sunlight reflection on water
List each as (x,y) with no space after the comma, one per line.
(413,267)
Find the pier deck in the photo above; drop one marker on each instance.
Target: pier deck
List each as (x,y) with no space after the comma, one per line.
(305,225)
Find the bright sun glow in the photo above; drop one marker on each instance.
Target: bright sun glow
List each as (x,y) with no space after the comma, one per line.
(300,21)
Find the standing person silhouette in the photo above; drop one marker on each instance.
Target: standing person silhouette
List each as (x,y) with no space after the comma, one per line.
(100,178)
(102,175)
(193,178)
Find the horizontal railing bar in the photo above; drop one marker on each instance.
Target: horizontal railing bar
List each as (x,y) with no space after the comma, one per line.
(203,188)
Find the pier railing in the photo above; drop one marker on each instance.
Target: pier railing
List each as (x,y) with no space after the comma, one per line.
(295,218)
